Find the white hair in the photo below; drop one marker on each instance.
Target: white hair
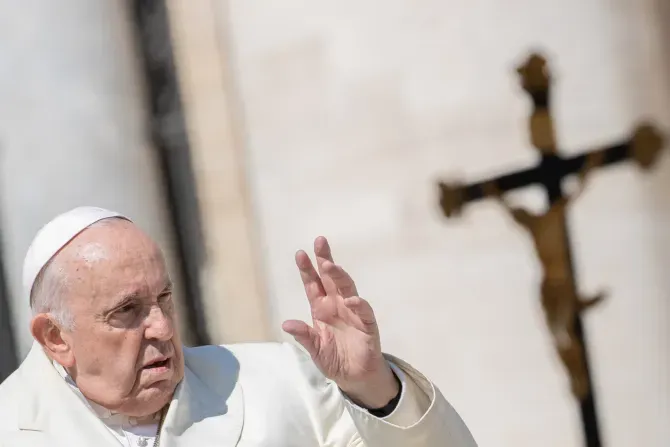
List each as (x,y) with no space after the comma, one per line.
(48,294)
(49,291)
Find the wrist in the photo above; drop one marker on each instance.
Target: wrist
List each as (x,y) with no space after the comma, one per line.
(375,391)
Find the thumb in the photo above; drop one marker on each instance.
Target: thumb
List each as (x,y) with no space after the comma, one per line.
(303,334)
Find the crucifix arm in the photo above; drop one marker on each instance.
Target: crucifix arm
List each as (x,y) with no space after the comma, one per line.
(592,161)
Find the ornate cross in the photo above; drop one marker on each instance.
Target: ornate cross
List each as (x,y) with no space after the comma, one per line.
(561,300)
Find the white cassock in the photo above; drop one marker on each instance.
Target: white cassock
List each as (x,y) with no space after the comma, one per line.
(246,395)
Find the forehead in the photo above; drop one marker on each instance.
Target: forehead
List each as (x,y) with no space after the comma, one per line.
(113,258)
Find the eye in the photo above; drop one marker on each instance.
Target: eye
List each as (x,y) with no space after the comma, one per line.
(126,308)
(165,300)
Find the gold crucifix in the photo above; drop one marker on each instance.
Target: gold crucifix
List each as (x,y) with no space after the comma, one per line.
(561,301)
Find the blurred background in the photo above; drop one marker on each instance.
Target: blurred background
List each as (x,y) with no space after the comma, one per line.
(235,132)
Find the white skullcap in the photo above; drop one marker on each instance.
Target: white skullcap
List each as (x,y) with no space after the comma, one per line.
(55,235)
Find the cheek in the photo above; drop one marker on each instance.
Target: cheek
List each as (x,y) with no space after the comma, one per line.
(110,353)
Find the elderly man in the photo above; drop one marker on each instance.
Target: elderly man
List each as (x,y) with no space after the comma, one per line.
(108,368)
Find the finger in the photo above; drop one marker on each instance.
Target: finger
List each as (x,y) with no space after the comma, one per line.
(303,334)
(362,309)
(343,282)
(322,252)
(324,255)
(310,278)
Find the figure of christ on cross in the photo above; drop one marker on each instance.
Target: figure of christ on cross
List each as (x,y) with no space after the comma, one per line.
(561,301)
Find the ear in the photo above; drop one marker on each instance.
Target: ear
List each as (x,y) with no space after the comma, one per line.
(54,340)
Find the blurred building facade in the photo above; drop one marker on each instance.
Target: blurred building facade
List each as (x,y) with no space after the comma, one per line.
(291,119)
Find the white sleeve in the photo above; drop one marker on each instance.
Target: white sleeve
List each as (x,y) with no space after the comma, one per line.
(422,418)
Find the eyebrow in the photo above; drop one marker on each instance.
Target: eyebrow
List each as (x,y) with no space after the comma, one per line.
(134,295)
(168,285)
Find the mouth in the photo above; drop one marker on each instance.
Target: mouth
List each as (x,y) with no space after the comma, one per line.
(157,364)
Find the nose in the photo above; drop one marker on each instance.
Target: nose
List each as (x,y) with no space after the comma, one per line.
(159,326)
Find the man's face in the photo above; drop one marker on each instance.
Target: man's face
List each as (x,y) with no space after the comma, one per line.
(126,351)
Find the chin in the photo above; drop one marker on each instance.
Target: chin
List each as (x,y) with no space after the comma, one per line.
(156,389)
(159,400)
(153,397)
(150,401)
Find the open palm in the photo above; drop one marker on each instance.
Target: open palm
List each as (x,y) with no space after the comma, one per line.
(344,339)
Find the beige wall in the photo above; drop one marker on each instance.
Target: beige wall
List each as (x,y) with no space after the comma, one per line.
(235,301)
(352,111)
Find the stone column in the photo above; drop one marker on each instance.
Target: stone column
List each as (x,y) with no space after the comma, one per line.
(234,294)
(72,127)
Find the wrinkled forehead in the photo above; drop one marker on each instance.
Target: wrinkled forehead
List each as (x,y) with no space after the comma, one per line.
(112,259)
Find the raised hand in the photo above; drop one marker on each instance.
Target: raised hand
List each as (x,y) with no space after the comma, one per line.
(343,340)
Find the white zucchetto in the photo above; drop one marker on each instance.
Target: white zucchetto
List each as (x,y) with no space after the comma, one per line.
(55,235)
